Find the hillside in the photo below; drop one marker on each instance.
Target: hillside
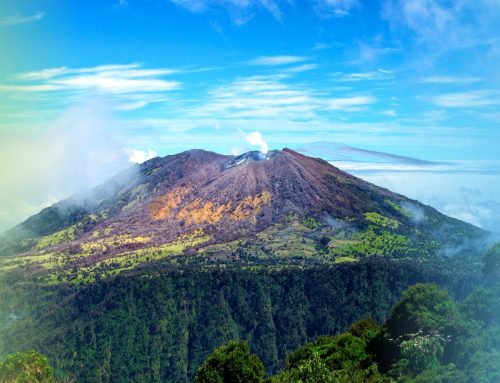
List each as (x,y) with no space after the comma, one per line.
(172,258)
(201,207)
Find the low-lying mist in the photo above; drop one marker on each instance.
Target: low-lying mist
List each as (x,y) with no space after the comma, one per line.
(74,153)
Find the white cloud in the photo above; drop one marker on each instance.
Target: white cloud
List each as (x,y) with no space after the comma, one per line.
(240,11)
(336,8)
(277,60)
(259,97)
(446,192)
(448,24)
(301,68)
(473,99)
(30,88)
(139,156)
(371,51)
(113,79)
(131,85)
(389,113)
(273,97)
(43,74)
(449,80)
(116,83)
(137,101)
(427,19)
(378,167)
(379,74)
(349,103)
(18,19)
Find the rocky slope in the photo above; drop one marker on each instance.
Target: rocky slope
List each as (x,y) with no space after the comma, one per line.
(282,206)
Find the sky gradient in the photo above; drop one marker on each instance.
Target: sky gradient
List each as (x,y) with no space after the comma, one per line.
(86,87)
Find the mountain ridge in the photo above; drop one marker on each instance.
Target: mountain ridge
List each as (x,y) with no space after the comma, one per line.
(197,201)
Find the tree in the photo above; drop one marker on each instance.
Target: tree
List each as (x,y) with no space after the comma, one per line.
(26,367)
(425,307)
(491,260)
(444,374)
(339,359)
(311,370)
(422,352)
(231,363)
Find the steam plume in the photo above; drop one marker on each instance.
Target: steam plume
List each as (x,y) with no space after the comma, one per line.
(256,139)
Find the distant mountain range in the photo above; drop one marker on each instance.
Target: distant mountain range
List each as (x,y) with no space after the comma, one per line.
(199,206)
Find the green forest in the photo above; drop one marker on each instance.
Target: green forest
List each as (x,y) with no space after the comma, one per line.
(429,337)
(161,326)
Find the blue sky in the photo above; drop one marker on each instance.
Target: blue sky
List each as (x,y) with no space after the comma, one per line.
(88,86)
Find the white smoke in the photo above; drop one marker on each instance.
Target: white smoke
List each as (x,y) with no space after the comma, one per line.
(139,156)
(256,139)
(417,214)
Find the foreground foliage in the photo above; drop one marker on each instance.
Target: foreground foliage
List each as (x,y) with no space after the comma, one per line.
(232,363)
(429,337)
(26,367)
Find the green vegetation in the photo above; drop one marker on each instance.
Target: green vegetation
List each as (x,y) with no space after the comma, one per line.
(491,261)
(231,363)
(343,358)
(99,253)
(449,345)
(57,238)
(26,367)
(161,323)
(375,241)
(382,221)
(311,223)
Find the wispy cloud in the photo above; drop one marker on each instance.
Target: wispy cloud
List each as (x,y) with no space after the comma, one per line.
(389,113)
(277,60)
(18,19)
(274,97)
(116,83)
(336,152)
(301,68)
(442,23)
(124,70)
(373,50)
(473,99)
(240,11)
(449,80)
(29,88)
(349,103)
(379,74)
(259,96)
(336,8)
(131,83)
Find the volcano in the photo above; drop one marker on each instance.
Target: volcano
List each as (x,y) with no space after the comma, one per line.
(201,206)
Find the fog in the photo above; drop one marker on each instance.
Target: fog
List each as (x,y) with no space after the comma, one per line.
(76,151)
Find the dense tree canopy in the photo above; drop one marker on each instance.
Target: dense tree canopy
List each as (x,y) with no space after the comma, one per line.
(491,260)
(420,330)
(232,362)
(26,367)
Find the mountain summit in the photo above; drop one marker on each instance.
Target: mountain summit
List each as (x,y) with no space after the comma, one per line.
(201,205)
